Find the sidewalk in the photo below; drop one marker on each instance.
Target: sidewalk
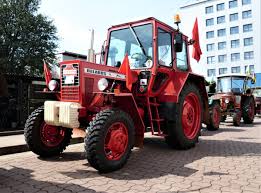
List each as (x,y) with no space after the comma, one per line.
(16,143)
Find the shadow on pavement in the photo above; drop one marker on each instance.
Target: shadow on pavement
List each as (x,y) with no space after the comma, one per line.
(157,159)
(21,180)
(64,157)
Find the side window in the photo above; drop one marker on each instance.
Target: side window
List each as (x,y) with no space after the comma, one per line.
(182,60)
(164,48)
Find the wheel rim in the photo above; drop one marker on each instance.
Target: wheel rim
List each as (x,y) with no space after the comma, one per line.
(116,141)
(216,116)
(191,115)
(51,136)
(251,110)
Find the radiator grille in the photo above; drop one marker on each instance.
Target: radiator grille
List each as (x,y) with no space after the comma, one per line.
(70,91)
(76,78)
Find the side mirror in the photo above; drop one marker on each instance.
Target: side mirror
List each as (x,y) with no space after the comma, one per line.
(178,42)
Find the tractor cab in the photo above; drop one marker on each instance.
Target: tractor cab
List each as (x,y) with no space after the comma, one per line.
(236,83)
(154,50)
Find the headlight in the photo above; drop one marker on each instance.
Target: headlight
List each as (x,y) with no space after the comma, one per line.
(103,84)
(226,100)
(53,85)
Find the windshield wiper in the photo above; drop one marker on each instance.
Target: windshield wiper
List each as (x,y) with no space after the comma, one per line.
(138,41)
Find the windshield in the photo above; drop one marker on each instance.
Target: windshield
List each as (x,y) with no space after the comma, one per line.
(230,84)
(134,41)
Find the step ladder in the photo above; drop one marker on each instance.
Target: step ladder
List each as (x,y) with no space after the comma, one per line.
(154,116)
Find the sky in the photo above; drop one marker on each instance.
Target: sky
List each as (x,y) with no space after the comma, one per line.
(74,19)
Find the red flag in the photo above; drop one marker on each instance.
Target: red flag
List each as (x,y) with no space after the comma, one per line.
(196,46)
(47,74)
(125,69)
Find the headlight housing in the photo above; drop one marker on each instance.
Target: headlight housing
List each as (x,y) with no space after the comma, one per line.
(53,85)
(227,100)
(103,84)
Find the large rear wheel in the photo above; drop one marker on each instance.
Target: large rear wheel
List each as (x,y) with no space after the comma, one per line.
(110,140)
(248,109)
(184,129)
(43,139)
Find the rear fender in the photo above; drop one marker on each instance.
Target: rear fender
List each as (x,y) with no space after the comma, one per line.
(126,102)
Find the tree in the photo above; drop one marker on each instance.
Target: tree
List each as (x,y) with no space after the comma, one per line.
(26,37)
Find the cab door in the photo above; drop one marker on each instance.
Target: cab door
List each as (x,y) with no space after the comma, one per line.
(163,58)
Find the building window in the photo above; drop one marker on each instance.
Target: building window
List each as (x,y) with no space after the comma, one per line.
(232,4)
(211,72)
(235,43)
(220,19)
(246,2)
(222,58)
(235,69)
(249,69)
(221,32)
(233,17)
(247,28)
(222,70)
(222,45)
(248,55)
(246,14)
(248,41)
(234,30)
(209,22)
(210,34)
(220,6)
(209,9)
(210,47)
(211,60)
(235,57)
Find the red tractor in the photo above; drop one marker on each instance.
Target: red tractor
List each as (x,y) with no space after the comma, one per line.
(236,98)
(144,83)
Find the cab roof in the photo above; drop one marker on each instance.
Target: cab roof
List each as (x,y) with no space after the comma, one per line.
(234,75)
(149,19)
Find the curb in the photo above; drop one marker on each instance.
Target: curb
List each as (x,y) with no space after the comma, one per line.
(23,148)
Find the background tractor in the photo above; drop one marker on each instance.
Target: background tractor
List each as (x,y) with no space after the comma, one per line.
(236,99)
(144,84)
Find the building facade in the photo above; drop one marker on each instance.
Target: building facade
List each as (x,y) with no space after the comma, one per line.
(230,35)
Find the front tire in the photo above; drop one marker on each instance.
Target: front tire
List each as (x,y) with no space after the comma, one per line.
(185,128)
(215,116)
(110,140)
(43,139)
(248,109)
(237,117)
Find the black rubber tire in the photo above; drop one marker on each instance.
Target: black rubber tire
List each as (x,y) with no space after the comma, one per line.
(33,138)
(214,126)
(94,141)
(236,120)
(245,106)
(176,138)
(223,118)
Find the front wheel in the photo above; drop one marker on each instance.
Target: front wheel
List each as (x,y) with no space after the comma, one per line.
(237,117)
(185,127)
(110,140)
(43,139)
(215,116)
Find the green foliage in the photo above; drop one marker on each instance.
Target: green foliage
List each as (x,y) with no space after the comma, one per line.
(26,37)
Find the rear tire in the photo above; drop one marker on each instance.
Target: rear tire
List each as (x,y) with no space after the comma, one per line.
(215,116)
(37,133)
(237,117)
(185,128)
(110,140)
(248,110)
